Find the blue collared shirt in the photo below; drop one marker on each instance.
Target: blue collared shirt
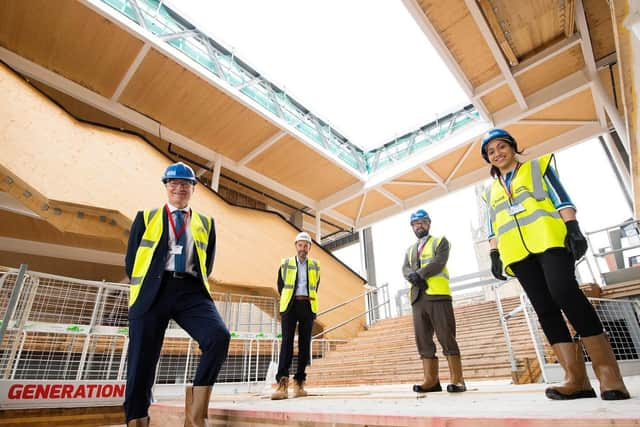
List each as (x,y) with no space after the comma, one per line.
(301,278)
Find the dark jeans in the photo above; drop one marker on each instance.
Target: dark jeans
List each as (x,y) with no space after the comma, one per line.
(299,313)
(185,301)
(550,283)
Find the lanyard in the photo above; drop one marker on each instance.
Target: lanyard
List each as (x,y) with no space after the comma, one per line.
(507,189)
(178,233)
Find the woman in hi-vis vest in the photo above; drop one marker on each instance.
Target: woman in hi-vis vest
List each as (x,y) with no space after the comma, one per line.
(534,234)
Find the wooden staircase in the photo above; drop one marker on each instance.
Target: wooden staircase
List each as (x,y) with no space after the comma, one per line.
(386,353)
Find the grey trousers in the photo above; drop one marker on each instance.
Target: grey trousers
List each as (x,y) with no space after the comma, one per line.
(430,316)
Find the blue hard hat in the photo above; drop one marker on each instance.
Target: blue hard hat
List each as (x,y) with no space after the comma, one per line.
(420,214)
(179,171)
(496,134)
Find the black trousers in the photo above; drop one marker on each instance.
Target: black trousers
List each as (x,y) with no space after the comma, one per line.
(550,283)
(299,314)
(185,301)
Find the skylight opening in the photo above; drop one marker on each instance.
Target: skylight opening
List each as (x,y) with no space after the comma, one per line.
(365,68)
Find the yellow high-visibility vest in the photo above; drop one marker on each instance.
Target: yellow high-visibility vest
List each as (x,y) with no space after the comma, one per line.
(288,272)
(439,283)
(537,227)
(153,220)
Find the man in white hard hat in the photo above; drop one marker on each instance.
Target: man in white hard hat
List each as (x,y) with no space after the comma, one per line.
(298,282)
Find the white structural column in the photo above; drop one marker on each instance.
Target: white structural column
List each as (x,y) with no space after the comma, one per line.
(476,13)
(215,176)
(589,60)
(318,227)
(603,102)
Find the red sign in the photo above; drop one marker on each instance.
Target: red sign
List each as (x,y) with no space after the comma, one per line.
(36,394)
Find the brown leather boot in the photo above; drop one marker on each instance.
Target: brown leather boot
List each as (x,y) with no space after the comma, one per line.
(298,388)
(282,392)
(139,422)
(431,381)
(576,383)
(455,371)
(606,368)
(196,406)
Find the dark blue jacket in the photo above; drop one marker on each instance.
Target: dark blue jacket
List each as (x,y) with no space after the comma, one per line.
(151,283)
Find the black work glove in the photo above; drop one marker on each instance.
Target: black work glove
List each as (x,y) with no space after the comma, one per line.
(575,241)
(496,264)
(416,280)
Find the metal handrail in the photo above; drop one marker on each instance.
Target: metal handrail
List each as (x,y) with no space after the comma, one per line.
(613,227)
(350,300)
(333,328)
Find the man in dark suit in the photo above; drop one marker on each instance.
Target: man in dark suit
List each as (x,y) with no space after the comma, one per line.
(169,258)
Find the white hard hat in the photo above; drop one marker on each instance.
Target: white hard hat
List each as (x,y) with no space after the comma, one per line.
(303,236)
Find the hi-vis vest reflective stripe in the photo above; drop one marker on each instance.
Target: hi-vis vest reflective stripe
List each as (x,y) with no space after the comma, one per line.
(438,284)
(153,220)
(534,230)
(288,271)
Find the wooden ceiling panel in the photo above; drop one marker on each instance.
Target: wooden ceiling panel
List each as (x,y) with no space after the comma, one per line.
(531,135)
(600,27)
(578,107)
(463,38)
(302,169)
(444,165)
(473,162)
(350,208)
(406,191)
(374,202)
(499,98)
(551,71)
(528,26)
(182,101)
(69,39)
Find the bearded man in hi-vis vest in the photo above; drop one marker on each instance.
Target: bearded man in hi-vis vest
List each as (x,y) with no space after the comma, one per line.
(425,267)
(298,282)
(169,258)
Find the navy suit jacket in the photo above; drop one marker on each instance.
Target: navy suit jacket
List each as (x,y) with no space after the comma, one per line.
(151,283)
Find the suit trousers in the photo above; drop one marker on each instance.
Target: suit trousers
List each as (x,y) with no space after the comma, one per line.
(184,300)
(434,315)
(299,313)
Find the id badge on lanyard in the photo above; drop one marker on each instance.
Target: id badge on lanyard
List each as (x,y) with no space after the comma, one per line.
(175,248)
(517,208)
